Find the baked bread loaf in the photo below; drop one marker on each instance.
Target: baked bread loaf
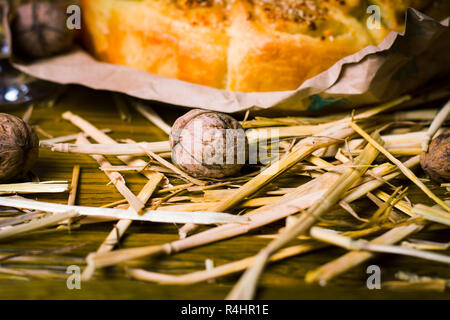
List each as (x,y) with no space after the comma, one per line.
(240,45)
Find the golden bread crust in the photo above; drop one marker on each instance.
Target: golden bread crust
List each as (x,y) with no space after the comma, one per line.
(240,45)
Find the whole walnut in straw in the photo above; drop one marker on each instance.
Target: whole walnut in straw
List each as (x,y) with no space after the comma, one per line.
(19,148)
(208,144)
(39,30)
(436,162)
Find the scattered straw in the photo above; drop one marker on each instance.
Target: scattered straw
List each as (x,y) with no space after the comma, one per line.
(246,286)
(407,172)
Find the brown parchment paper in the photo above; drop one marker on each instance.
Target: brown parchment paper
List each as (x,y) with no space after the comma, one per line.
(400,64)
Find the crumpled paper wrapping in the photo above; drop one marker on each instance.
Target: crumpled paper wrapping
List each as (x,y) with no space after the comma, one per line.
(400,64)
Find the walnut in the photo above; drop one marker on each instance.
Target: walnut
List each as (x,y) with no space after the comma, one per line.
(19,148)
(208,144)
(39,30)
(436,162)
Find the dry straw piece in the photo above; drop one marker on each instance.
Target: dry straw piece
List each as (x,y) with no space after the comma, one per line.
(62,139)
(438,285)
(411,282)
(34,187)
(440,118)
(432,214)
(407,143)
(74,185)
(133,149)
(148,215)
(150,115)
(352,259)
(122,107)
(335,238)
(21,229)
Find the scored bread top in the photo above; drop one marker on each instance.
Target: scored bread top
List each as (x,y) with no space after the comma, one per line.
(241,45)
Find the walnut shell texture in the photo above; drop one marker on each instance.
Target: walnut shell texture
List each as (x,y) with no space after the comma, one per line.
(203,146)
(19,148)
(39,30)
(436,162)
